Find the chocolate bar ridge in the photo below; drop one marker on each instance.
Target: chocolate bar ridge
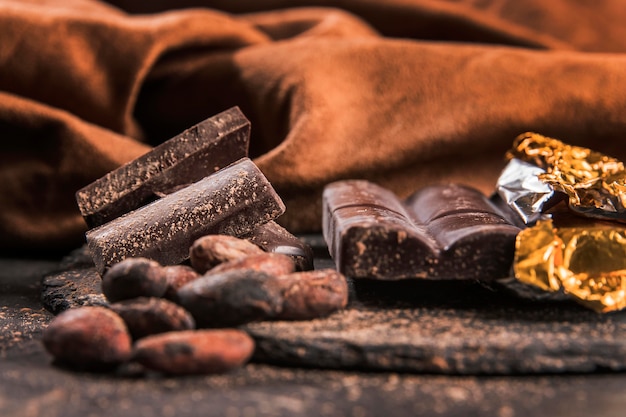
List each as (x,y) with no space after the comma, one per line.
(186,158)
(440,232)
(232,201)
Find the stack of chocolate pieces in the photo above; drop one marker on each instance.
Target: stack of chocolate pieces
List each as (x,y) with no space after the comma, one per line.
(200,182)
(199,197)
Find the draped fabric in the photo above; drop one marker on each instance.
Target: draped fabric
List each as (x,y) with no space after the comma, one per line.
(401,92)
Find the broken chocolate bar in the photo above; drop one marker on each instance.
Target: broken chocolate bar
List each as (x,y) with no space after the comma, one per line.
(273,238)
(232,201)
(440,232)
(180,161)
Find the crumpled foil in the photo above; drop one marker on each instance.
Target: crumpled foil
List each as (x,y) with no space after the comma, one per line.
(522,190)
(586,263)
(594,183)
(564,255)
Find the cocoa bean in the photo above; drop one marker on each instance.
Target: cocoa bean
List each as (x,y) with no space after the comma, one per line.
(177,276)
(194,352)
(312,294)
(212,250)
(231,298)
(134,277)
(88,337)
(146,316)
(270,263)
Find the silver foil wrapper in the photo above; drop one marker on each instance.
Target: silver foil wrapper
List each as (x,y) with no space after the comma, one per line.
(520,187)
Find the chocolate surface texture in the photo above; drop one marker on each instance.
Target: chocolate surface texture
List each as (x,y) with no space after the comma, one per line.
(186,158)
(232,201)
(440,232)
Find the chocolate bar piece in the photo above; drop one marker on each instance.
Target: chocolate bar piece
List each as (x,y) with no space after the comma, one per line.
(180,161)
(273,238)
(232,201)
(440,232)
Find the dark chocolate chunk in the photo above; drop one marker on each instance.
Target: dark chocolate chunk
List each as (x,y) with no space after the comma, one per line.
(186,158)
(273,238)
(440,232)
(232,201)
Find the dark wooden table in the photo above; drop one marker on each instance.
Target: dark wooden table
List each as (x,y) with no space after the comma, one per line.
(31,386)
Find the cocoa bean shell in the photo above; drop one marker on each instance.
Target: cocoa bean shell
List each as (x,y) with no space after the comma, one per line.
(146,316)
(194,352)
(270,263)
(177,276)
(88,337)
(311,294)
(212,250)
(231,298)
(134,277)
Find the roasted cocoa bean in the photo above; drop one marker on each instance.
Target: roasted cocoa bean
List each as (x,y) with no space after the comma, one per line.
(194,352)
(212,250)
(312,294)
(231,298)
(270,263)
(134,277)
(177,276)
(88,337)
(146,316)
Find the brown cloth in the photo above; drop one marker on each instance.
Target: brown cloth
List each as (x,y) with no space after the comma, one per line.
(400,92)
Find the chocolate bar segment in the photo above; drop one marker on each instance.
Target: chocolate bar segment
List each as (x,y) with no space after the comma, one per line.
(186,158)
(273,238)
(440,232)
(232,201)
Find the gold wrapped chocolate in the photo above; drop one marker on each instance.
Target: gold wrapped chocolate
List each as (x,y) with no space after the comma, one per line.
(594,183)
(587,263)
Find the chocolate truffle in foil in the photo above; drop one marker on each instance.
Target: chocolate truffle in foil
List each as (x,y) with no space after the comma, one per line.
(594,183)
(586,263)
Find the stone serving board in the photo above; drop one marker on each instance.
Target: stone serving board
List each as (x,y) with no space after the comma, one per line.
(415,326)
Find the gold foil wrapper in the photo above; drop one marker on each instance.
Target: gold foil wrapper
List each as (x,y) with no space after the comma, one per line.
(587,263)
(594,183)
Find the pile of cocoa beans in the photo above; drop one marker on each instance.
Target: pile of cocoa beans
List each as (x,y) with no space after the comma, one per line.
(182,319)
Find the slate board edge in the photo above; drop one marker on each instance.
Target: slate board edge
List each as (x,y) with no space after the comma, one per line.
(79,283)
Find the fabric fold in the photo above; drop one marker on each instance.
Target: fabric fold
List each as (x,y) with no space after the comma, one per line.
(404,93)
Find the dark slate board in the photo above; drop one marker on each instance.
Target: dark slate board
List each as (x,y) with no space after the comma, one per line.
(414,326)
(75,284)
